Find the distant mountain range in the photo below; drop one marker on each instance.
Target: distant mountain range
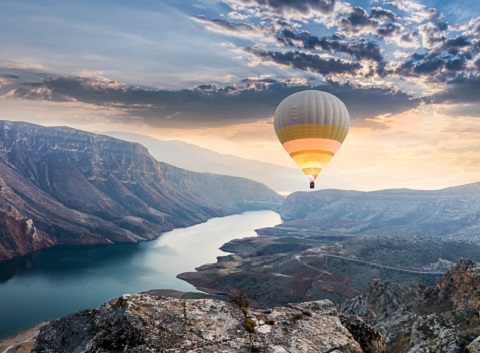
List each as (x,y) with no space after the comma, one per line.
(453,212)
(64,186)
(198,159)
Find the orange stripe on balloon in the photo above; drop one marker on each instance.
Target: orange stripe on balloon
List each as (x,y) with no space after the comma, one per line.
(311,144)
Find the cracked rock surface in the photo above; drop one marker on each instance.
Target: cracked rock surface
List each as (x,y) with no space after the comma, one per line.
(144,323)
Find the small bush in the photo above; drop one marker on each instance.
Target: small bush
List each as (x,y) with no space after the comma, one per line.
(241,299)
(307,313)
(270,321)
(249,324)
(298,315)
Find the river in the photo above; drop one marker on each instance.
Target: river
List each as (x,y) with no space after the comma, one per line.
(55,282)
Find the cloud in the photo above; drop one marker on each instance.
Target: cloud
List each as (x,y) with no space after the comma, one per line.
(227,27)
(360,50)
(433,33)
(378,12)
(462,89)
(382,23)
(409,40)
(358,21)
(373,101)
(287,8)
(390,30)
(415,11)
(306,62)
(444,61)
(253,99)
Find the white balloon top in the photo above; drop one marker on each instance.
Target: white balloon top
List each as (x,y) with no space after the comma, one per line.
(311,107)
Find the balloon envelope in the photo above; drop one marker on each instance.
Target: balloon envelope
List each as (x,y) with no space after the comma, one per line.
(311,126)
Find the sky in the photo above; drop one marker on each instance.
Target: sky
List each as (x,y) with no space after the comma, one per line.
(212,73)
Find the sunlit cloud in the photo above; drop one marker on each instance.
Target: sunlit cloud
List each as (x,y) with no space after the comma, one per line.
(212,73)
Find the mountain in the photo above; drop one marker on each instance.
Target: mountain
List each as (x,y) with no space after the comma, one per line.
(452,212)
(64,186)
(145,323)
(440,318)
(198,159)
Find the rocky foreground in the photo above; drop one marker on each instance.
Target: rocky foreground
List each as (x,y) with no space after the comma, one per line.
(145,323)
(388,317)
(441,318)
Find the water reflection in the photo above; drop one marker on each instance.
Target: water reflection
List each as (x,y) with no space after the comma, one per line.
(54,282)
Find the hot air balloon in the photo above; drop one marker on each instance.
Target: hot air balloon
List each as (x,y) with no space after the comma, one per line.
(311,126)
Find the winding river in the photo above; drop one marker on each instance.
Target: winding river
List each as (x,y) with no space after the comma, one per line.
(55,282)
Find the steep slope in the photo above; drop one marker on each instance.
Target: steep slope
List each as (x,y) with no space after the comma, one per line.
(451,212)
(441,318)
(65,186)
(198,159)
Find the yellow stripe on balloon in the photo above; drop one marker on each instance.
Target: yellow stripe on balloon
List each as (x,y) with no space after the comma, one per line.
(312,154)
(304,131)
(314,160)
(312,163)
(297,153)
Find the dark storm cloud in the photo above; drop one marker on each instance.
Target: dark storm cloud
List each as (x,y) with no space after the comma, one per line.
(206,105)
(360,50)
(306,62)
(286,6)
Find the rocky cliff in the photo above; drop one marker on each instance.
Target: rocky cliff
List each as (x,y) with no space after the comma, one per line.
(441,318)
(451,212)
(143,323)
(65,186)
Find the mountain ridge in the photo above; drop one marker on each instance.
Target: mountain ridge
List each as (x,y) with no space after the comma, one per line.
(200,159)
(75,187)
(452,211)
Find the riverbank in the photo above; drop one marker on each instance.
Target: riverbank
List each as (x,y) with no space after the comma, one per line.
(285,265)
(22,342)
(56,282)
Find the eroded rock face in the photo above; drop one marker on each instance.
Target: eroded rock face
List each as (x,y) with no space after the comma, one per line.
(143,323)
(460,287)
(441,318)
(369,338)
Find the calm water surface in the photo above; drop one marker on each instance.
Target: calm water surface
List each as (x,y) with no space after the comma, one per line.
(55,282)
